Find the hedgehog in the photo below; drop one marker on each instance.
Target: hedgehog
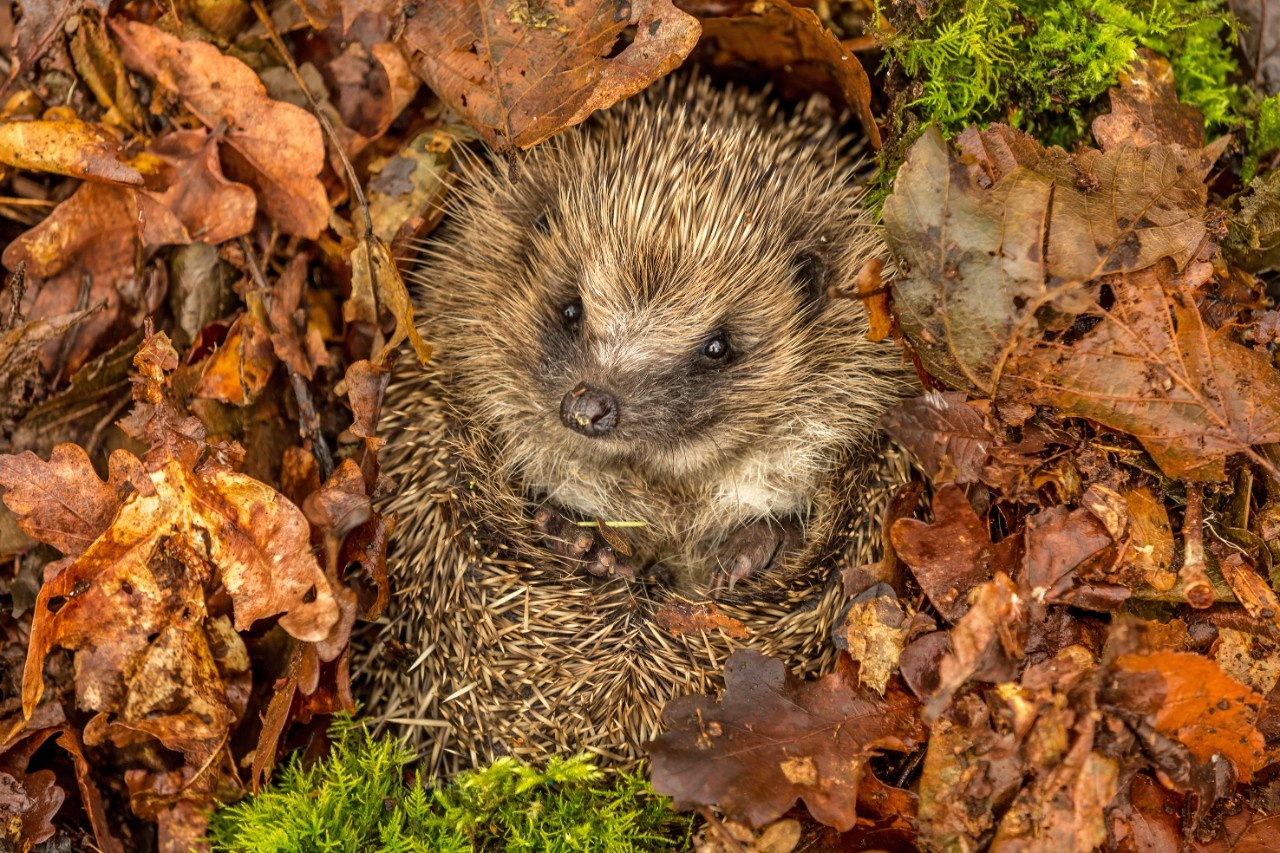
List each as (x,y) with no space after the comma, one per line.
(647,436)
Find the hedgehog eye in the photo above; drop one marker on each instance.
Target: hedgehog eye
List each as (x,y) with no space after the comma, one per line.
(716,347)
(571,314)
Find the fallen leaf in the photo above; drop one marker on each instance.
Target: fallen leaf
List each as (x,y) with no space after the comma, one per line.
(947,437)
(773,739)
(520,72)
(62,502)
(1063,548)
(1145,109)
(1198,704)
(97,61)
(86,254)
(239,370)
(775,34)
(683,617)
(374,271)
(953,554)
(874,631)
(1065,808)
(1150,367)
(41,23)
(75,148)
(212,209)
(1013,212)
(971,770)
(275,147)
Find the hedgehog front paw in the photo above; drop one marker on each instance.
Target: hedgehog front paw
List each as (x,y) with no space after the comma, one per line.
(753,549)
(563,536)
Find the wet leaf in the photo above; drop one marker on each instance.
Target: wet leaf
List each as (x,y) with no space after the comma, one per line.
(275,147)
(520,72)
(773,739)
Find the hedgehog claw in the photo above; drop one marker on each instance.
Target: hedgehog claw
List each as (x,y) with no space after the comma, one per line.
(563,536)
(753,549)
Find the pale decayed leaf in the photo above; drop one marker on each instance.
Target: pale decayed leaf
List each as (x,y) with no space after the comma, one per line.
(257,541)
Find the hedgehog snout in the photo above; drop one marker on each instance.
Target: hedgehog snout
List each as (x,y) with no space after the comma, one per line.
(589,410)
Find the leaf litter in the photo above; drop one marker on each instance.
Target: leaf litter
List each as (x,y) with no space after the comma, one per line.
(1069,643)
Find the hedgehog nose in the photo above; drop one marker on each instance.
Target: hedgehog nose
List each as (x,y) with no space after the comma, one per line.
(589,411)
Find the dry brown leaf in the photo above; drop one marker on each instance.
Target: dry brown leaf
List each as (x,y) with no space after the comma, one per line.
(773,739)
(374,271)
(1145,109)
(874,630)
(986,643)
(212,209)
(76,148)
(62,502)
(520,72)
(1064,548)
(683,617)
(947,436)
(238,371)
(275,147)
(775,34)
(1037,223)
(1151,368)
(1210,713)
(97,61)
(954,554)
(85,253)
(296,341)
(1065,808)
(42,22)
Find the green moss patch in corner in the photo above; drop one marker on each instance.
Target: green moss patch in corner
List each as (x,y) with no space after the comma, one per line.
(357,799)
(1035,63)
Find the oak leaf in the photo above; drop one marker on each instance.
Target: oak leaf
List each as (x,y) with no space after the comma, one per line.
(773,739)
(521,72)
(954,553)
(275,147)
(947,436)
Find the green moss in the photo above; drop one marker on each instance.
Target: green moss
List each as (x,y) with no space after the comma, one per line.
(357,799)
(1039,64)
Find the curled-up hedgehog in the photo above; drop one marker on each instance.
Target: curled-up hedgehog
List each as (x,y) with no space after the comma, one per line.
(648,403)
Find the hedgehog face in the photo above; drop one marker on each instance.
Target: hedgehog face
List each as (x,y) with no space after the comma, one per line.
(647,355)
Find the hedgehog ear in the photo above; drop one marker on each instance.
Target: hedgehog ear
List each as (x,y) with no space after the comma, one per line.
(812,273)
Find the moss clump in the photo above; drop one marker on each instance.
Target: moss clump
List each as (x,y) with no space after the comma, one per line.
(357,799)
(1038,64)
